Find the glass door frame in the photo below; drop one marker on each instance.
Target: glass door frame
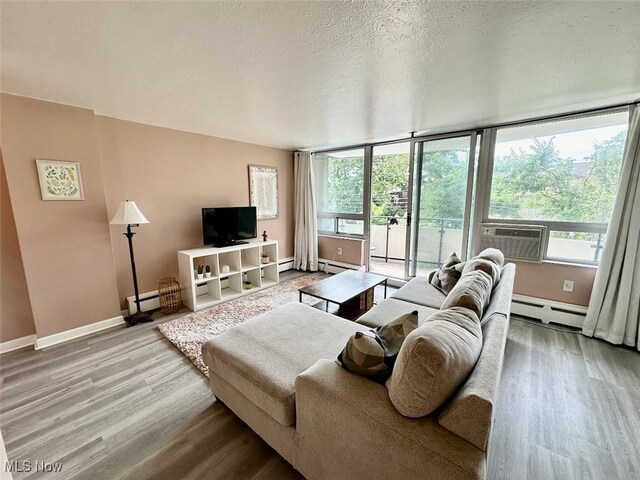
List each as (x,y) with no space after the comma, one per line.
(415,153)
(416,170)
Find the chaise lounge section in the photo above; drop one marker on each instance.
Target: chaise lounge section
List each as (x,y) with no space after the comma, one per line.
(277,372)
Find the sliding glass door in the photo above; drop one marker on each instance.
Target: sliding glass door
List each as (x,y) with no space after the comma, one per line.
(390,167)
(442,201)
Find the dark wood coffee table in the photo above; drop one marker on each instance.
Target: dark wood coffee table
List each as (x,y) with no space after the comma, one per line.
(351,291)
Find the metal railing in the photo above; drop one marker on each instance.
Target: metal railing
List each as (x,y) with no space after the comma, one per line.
(442,224)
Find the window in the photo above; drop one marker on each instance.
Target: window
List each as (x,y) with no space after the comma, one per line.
(563,174)
(339,178)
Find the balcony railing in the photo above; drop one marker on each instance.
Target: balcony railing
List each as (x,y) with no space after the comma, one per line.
(437,236)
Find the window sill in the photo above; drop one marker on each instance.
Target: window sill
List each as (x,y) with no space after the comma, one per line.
(342,236)
(568,263)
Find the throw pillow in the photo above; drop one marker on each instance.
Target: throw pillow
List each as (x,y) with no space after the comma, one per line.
(494,255)
(373,353)
(447,275)
(473,291)
(435,359)
(487,266)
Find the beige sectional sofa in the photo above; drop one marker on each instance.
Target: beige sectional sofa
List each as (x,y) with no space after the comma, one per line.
(277,372)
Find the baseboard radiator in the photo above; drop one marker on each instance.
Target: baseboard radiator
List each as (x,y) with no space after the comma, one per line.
(549,311)
(331,266)
(148,301)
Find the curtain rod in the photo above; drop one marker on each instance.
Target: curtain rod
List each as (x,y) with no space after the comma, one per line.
(455,133)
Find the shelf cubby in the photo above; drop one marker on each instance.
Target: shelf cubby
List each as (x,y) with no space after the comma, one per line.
(207,294)
(230,259)
(254,277)
(250,258)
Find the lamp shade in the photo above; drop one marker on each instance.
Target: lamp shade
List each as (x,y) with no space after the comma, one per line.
(128,214)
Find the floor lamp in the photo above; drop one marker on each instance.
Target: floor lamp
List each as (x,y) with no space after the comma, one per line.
(130,215)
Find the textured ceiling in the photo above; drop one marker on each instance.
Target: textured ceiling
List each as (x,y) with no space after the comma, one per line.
(311,74)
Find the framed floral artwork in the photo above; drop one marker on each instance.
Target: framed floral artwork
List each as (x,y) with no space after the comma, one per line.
(60,180)
(263,191)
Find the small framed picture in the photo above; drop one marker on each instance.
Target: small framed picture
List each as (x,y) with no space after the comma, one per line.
(60,180)
(263,191)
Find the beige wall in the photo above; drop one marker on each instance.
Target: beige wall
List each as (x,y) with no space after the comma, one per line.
(171,175)
(16,317)
(352,249)
(545,281)
(65,245)
(76,266)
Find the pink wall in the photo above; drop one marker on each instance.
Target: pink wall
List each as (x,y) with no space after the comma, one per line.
(171,175)
(65,245)
(76,266)
(16,315)
(545,280)
(352,249)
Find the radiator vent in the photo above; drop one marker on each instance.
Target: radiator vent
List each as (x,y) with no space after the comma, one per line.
(517,242)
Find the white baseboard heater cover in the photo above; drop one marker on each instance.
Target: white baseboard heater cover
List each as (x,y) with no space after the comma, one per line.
(148,301)
(549,311)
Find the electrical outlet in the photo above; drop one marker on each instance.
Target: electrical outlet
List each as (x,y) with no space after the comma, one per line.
(568,286)
(339,251)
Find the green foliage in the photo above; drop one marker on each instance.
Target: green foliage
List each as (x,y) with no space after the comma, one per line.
(389,187)
(344,188)
(444,184)
(528,184)
(538,184)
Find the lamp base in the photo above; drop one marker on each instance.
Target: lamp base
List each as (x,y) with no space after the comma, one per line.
(138,317)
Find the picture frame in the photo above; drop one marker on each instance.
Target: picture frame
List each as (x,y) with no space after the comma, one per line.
(263,191)
(60,180)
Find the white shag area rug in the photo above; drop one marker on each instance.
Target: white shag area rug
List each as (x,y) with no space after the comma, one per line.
(188,333)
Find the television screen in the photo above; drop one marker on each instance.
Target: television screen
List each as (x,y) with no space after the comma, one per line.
(223,226)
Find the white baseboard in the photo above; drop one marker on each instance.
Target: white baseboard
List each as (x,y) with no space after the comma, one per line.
(549,311)
(11,345)
(61,337)
(336,267)
(285,264)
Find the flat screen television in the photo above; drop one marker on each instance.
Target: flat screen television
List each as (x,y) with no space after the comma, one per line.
(224,226)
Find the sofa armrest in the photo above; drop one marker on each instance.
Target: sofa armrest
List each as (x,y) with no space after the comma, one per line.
(346,427)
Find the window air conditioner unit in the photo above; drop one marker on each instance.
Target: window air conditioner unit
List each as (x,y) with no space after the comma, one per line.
(525,243)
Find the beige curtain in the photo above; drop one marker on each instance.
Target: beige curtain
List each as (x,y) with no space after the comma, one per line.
(614,308)
(305,255)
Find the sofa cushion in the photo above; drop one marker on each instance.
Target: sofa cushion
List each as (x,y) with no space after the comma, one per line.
(391,308)
(492,254)
(487,266)
(473,291)
(434,361)
(372,353)
(469,414)
(258,359)
(502,294)
(447,275)
(421,292)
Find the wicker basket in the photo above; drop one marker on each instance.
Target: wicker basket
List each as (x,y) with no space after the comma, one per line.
(169,295)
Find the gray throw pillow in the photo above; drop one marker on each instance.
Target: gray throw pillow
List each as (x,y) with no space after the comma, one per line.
(373,353)
(446,277)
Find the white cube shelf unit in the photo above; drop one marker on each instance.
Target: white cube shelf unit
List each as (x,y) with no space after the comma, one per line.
(230,268)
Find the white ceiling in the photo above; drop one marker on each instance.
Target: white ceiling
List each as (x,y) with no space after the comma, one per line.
(311,74)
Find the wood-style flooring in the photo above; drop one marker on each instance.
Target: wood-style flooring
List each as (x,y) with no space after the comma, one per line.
(126,404)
